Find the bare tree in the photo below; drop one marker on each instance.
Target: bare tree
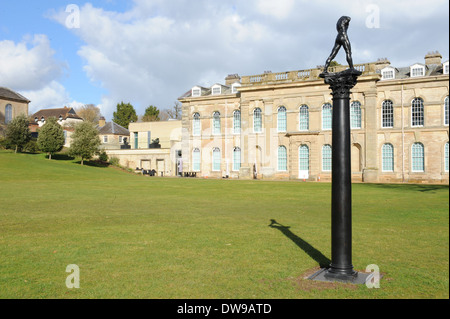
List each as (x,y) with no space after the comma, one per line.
(89,113)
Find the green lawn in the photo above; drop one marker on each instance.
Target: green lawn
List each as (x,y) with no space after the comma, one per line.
(142,237)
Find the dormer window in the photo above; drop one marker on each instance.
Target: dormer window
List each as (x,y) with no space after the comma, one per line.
(417,70)
(216,90)
(196,91)
(60,118)
(42,119)
(234,87)
(445,67)
(388,73)
(36,119)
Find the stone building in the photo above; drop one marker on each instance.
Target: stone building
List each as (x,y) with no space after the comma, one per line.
(112,135)
(12,104)
(154,146)
(66,116)
(278,125)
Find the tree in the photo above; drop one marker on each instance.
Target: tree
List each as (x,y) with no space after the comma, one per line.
(18,133)
(125,115)
(89,112)
(175,112)
(151,114)
(51,137)
(85,141)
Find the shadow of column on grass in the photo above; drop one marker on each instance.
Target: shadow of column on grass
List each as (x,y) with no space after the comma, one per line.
(323,261)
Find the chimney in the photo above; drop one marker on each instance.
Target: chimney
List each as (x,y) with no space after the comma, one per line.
(382,63)
(101,122)
(232,78)
(433,58)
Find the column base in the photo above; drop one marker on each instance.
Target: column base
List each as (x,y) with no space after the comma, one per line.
(356,278)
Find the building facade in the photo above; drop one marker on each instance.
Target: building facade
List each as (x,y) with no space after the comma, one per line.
(153,146)
(66,117)
(112,135)
(278,125)
(12,104)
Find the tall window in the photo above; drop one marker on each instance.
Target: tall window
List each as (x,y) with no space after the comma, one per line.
(257,120)
(303,156)
(236,159)
(446,157)
(196,127)
(387,114)
(327,116)
(304,118)
(446,111)
(417,112)
(237,122)
(355,115)
(388,158)
(418,157)
(216,123)
(196,163)
(8,113)
(216,159)
(327,158)
(282,119)
(282,158)
(136,140)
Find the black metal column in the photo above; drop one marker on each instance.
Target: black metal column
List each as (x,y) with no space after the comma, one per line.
(341,202)
(341,267)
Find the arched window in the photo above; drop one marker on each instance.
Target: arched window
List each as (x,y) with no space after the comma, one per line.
(417,112)
(327,116)
(196,160)
(388,158)
(237,122)
(196,125)
(303,155)
(236,159)
(387,114)
(418,157)
(304,118)
(8,113)
(355,115)
(257,120)
(282,158)
(446,157)
(216,123)
(216,160)
(446,120)
(282,119)
(327,157)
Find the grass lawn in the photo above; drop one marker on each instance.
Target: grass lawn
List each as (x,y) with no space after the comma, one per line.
(142,237)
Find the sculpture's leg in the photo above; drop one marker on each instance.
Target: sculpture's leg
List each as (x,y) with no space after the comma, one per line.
(333,54)
(348,51)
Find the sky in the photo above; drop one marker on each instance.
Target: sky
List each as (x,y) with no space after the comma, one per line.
(150,52)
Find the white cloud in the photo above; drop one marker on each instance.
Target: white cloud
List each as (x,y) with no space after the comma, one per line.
(157,50)
(30,64)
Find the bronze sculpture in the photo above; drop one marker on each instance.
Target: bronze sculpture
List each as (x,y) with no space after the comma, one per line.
(341,41)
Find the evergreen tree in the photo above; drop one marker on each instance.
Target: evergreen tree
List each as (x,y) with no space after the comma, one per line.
(125,115)
(51,137)
(151,114)
(18,133)
(85,141)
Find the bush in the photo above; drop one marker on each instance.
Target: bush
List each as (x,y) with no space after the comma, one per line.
(114,161)
(103,157)
(31,147)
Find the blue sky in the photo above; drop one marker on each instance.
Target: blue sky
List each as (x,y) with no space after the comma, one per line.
(150,52)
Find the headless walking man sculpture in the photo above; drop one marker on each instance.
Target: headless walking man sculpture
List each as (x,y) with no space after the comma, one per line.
(341,41)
